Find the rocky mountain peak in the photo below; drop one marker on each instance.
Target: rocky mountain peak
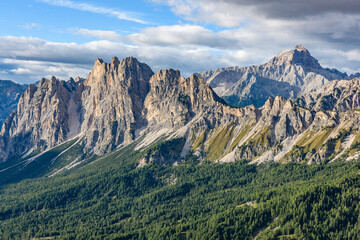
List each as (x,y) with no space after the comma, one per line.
(168,76)
(300,48)
(115,61)
(105,109)
(277,104)
(300,56)
(78,79)
(110,74)
(113,100)
(99,61)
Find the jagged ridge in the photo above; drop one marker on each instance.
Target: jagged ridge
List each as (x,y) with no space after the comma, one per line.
(124,102)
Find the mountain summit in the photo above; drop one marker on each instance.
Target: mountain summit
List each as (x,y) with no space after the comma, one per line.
(291,74)
(298,56)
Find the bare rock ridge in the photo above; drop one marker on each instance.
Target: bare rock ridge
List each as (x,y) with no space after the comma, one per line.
(124,102)
(291,74)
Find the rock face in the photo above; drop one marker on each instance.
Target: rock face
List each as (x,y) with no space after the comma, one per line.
(174,100)
(40,120)
(10,93)
(104,109)
(291,74)
(338,95)
(112,101)
(124,102)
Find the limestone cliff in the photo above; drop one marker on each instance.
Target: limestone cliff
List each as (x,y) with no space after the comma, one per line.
(338,95)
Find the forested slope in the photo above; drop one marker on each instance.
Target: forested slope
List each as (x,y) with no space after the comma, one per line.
(111,198)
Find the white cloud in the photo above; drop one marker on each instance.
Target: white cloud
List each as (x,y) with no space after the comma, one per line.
(254,32)
(30,71)
(353,55)
(232,13)
(183,35)
(220,13)
(29,26)
(329,21)
(108,35)
(190,48)
(22,71)
(121,15)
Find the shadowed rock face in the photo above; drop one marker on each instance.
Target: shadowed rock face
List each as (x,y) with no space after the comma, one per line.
(10,93)
(291,74)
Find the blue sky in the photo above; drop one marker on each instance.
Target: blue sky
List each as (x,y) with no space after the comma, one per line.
(40,38)
(56,20)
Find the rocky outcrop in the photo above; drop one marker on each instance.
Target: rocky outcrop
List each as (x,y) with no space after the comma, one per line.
(176,100)
(291,74)
(338,95)
(10,93)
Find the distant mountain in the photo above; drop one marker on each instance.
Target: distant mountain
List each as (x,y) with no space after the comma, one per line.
(291,74)
(9,96)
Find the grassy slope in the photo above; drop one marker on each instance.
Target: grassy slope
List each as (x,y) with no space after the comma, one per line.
(17,169)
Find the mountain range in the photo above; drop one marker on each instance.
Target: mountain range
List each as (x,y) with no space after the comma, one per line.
(124,103)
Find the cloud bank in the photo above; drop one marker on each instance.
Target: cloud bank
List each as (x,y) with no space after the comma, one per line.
(239,33)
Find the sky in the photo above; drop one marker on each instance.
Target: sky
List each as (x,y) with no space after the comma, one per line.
(41,38)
